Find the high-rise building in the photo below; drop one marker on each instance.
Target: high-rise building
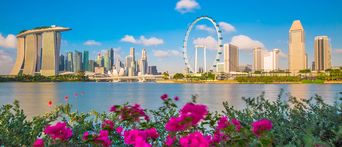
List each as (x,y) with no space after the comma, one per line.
(322,53)
(143,62)
(152,70)
(91,67)
(297,54)
(99,60)
(271,60)
(231,58)
(77,61)
(38,51)
(258,59)
(128,61)
(220,67)
(112,59)
(70,62)
(61,63)
(86,61)
(134,63)
(107,60)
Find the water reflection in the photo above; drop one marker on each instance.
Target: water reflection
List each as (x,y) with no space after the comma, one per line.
(34,97)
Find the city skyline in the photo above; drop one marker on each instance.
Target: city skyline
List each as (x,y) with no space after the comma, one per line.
(162,36)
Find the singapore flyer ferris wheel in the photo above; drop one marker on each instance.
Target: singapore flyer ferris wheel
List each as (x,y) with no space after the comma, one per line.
(219,43)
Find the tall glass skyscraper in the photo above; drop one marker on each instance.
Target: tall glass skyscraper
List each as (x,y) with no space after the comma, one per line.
(70,62)
(77,61)
(86,61)
(61,63)
(322,53)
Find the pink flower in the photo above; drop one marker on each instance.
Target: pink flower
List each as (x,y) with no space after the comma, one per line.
(75,94)
(164,97)
(196,111)
(260,126)
(108,125)
(195,139)
(152,133)
(176,98)
(59,131)
(222,123)
(85,136)
(103,138)
(190,115)
(38,143)
(119,130)
(180,123)
(139,137)
(131,113)
(237,124)
(113,108)
(169,140)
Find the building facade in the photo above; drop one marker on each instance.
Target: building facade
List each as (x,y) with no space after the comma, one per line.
(271,61)
(297,59)
(38,51)
(86,61)
(322,53)
(77,61)
(231,58)
(258,59)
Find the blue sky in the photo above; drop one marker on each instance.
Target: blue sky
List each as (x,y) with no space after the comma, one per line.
(160,25)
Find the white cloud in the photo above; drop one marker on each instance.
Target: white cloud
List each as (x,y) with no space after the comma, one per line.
(227,27)
(166,53)
(8,42)
(338,51)
(210,42)
(152,41)
(245,42)
(129,38)
(6,62)
(92,43)
(185,6)
(205,28)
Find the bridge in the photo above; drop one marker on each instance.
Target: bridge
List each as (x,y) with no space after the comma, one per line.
(144,78)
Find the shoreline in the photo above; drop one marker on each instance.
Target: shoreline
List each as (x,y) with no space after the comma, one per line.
(236,82)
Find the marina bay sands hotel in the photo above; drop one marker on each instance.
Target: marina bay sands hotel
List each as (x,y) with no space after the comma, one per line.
(38,51)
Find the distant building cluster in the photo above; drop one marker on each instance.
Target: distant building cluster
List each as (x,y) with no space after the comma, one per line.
(297,57)
(107,63)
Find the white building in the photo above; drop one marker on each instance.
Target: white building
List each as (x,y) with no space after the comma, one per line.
(271,60)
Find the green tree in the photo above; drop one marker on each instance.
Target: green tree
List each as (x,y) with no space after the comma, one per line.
(178,76)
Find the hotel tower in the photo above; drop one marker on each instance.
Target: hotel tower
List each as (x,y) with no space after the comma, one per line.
(38,51)
(322,53)
(297,53)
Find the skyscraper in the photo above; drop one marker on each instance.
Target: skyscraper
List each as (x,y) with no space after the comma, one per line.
(111,56)
(99,60)
(231,58)
(86,61)
(133,64)
(91,66)
(297,53)
(70,62)
(258,59)
(61,63)
(143,62)
(107,60)
(322,53)
(77,61)
(38,51)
